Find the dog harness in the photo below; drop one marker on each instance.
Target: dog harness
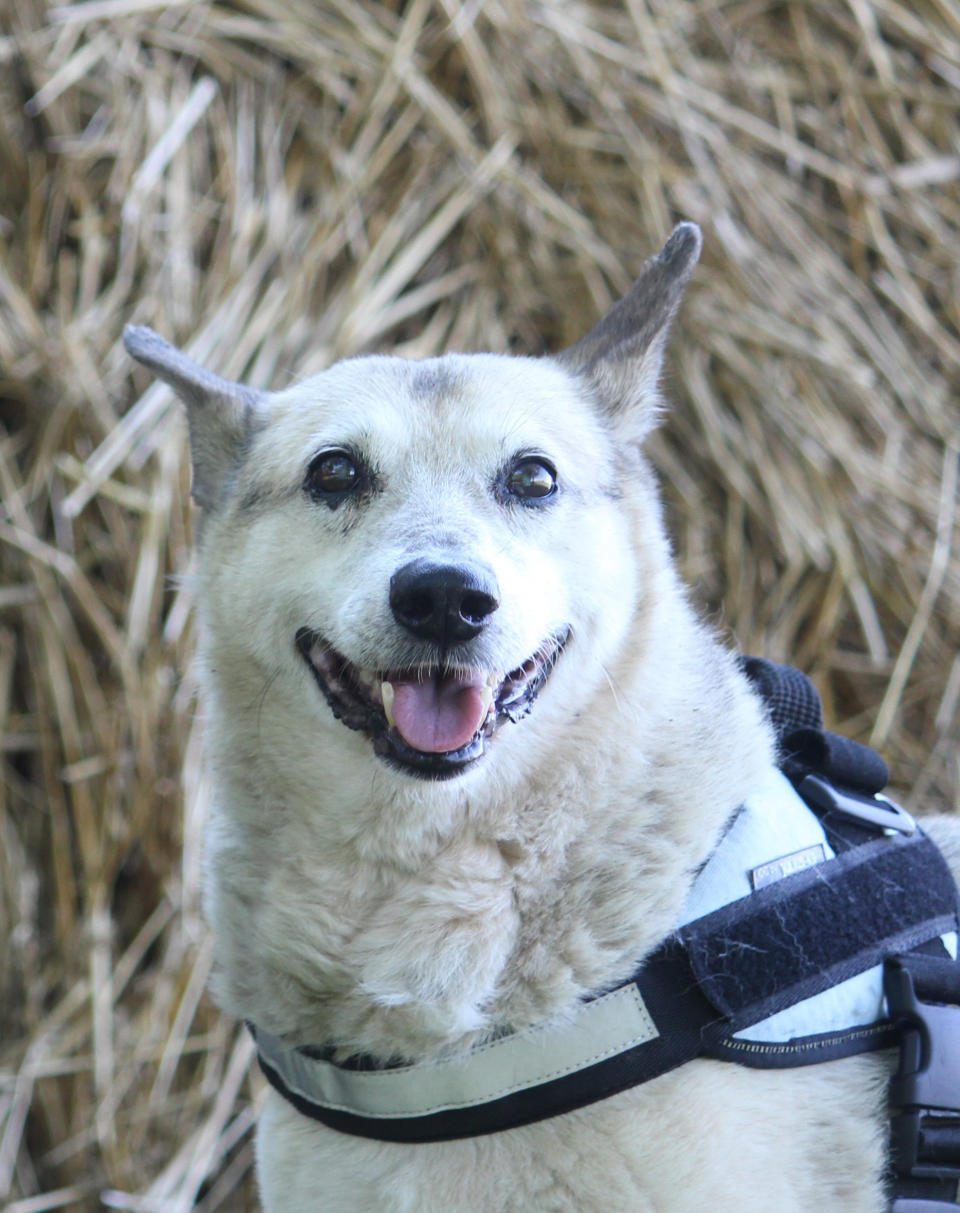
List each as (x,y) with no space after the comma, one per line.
(824,924)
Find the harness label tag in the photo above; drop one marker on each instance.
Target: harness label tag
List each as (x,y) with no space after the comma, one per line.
(786,865)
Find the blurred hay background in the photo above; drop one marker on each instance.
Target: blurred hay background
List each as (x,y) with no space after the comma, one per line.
(277,184)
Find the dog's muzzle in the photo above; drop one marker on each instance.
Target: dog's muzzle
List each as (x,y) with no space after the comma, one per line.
(432,721)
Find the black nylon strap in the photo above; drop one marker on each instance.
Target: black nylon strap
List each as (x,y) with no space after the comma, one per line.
(835,758)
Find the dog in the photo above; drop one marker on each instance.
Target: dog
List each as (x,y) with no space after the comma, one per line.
(471,746)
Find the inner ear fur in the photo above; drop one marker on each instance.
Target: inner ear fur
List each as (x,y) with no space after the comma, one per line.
(221,414)
(623,355)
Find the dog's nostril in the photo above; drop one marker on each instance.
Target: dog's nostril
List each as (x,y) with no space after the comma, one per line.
(418,608)
(443,603)
(476,606)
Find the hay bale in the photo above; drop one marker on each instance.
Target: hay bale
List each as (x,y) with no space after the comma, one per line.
(277,185)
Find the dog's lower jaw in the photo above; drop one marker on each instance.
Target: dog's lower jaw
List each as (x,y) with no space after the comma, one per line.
(363,700)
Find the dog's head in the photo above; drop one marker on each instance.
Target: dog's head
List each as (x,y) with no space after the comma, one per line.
(405,556)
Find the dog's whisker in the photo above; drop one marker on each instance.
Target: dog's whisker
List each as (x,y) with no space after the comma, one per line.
(611,683)
(262,699)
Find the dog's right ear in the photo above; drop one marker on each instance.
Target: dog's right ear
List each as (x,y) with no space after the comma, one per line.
(623,354)
(222,415)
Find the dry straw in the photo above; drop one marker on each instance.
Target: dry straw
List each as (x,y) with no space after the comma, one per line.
(277,183)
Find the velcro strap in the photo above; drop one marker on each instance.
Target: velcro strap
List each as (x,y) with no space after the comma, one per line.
(812,930)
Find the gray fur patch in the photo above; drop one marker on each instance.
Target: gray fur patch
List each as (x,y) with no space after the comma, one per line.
(434,379)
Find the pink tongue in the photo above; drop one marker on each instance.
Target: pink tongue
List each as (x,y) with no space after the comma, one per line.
(438,715)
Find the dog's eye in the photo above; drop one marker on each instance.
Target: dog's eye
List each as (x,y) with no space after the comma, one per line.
(532,480)
(332,474)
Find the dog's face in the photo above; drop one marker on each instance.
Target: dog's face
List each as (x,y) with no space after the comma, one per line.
(399,542)
(408,556)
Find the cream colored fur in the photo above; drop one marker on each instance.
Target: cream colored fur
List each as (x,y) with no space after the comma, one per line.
(360,906)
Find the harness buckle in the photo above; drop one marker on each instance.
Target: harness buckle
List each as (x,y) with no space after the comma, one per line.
(877,811)
(925,1131)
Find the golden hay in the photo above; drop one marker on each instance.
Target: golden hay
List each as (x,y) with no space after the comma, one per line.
(277,183)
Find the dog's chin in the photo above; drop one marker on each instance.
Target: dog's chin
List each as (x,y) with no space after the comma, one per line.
(363,699)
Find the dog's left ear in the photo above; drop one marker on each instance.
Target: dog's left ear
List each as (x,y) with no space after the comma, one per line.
(222,415)
(623,355)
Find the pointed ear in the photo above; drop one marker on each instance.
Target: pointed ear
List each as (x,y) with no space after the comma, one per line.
(222,415)
(623,355)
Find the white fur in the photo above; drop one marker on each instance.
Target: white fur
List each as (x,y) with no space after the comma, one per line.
(359,906)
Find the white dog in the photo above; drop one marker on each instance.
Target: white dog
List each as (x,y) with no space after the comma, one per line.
(472,752)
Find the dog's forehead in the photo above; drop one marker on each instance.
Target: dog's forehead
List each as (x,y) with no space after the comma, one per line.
(457,401)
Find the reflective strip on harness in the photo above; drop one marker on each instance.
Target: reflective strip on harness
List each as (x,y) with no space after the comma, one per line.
(607,1026)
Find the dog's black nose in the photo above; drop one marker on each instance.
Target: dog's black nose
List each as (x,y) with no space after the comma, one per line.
(445,603)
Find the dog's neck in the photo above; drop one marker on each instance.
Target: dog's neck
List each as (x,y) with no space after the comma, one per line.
(415,919)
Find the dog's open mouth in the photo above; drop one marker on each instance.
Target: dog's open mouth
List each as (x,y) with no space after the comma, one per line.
(430,721)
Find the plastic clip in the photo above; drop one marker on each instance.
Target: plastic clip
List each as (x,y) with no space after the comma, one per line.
(925,1131)
(878,811)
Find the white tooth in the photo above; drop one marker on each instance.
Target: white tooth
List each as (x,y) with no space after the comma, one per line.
(386,694)
(486,698)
